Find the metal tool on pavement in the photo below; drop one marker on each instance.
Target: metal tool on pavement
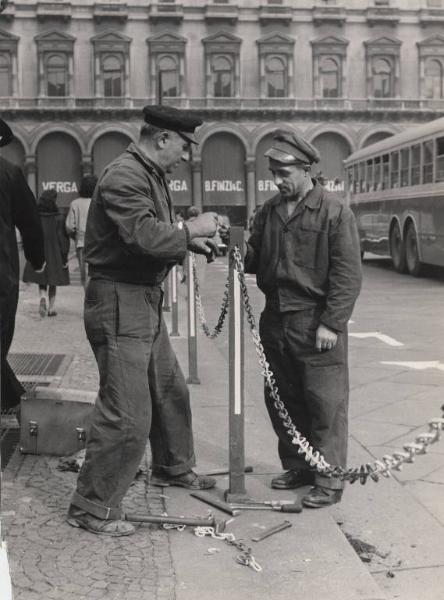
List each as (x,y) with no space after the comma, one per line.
(212,501)
(271,531)
(248,469)
(280,507)
(210,521)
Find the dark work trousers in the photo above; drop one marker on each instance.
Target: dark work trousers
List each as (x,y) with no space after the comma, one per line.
(312,385)
(11,388)
(142,394)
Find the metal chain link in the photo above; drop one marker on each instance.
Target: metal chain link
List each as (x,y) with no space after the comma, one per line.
(245,556)
(312,456)
(200,309)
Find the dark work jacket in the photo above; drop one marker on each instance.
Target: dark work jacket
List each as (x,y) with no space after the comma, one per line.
(311,258)
(130,232)
(17,209)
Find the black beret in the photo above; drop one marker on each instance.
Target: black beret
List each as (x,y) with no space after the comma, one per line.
(183,122)
(6,134)
(290,148)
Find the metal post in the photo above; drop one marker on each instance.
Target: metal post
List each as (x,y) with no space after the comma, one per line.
(166,295)
(174,304)
(236,491)
(192,339)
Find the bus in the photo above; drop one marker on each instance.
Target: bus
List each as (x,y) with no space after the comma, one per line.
(396,191)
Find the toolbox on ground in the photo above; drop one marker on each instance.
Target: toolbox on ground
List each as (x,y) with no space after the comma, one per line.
(55,421)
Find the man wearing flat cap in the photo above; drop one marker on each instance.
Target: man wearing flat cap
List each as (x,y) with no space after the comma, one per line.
(132,241)
(304,250)
(18,209)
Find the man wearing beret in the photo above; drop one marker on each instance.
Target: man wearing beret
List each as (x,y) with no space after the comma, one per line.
(132,241)
(304,250)
(18,209)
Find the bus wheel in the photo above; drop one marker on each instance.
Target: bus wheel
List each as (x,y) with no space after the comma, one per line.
(397,249)
(411,252)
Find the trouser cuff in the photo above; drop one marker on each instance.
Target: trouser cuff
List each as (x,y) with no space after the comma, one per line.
(97,510)
(331,483)
(174,470)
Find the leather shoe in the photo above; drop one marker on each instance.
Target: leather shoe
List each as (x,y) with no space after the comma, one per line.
(117,528)
(291,480)
(319,496)
(189,480)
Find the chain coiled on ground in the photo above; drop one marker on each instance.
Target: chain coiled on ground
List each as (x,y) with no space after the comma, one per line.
(244,558)
(200,309)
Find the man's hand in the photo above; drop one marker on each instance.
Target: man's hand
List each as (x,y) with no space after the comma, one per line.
(326,339)
(202,245)
(204,225)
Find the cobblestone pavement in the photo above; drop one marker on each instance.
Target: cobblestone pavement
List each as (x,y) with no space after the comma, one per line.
(50,559)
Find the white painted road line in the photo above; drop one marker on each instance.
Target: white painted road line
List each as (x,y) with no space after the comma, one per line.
(379,336)
(419,365)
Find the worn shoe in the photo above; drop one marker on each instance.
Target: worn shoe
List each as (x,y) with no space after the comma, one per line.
(189,480)
(86,521)
(291,480)
(318,497)
(42,307)
(52,313)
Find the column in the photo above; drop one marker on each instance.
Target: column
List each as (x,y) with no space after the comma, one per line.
(14,71)
(31,172)
(97,80)
(87,166)
(196,172)
(250,165)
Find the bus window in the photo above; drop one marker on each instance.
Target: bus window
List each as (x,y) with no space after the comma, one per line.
(440,159)
(427,162)
(394,170)
(385,171)
(355,179)
(377,174)
(369,185)
(362,181)
(405,170)
(416,165)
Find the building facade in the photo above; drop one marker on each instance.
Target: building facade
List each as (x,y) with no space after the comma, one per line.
(74,76)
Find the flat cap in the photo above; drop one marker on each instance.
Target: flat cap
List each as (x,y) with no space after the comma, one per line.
(183,122)
(290,149)
(6,134)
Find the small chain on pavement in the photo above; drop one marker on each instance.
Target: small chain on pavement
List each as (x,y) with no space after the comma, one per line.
(312,456)
(200,309)
(245,556)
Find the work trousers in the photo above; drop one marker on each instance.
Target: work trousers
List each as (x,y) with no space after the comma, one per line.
(142,394)
(11,388)
(312,385)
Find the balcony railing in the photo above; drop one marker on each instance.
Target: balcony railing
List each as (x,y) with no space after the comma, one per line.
(300,104)
(54,10)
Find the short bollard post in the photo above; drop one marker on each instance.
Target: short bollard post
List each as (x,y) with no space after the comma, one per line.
(236,491)
(174,304)
(166,294)
(192,339)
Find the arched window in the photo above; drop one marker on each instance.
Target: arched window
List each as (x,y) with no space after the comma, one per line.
(276,77)
(112,69)
(222,71)
(434,79)
(329,74)
(168,76)
(5,74)
(382,73)
(56,75)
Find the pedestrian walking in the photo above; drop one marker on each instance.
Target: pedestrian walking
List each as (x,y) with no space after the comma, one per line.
(132,241)
(304,250)
(56,271)
(76,220)
(18,209)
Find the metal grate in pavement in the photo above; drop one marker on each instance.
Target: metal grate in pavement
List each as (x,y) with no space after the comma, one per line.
(35,364)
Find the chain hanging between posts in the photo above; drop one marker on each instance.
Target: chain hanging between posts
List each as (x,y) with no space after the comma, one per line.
(200,309)
(312,456)
(244,558)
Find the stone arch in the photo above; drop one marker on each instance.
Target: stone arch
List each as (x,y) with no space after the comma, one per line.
(235,129)
(374,134)
(334,148)
(43,130)
(99,130)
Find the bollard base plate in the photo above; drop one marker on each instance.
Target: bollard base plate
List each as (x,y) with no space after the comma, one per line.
(236,496)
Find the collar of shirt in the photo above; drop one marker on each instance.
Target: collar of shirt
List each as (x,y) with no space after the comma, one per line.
(312,199)
(149,164)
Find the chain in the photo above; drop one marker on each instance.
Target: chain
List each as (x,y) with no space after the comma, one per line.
(314,457)
(200,309)
(243,558)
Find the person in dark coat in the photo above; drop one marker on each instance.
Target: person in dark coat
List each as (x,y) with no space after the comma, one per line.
(304,250)
(56,254)
(18,209)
